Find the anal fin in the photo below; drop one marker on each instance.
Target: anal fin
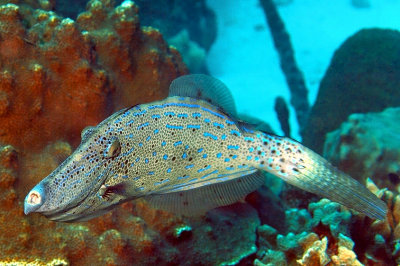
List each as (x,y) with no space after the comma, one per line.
(198,201)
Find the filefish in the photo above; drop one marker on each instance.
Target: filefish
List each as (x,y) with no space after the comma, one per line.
(185,154)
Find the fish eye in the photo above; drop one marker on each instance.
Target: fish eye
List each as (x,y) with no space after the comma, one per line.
(113,149)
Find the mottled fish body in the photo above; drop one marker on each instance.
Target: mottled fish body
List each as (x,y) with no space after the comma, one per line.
(185,155)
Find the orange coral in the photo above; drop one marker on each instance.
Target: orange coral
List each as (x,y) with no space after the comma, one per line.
(56,77)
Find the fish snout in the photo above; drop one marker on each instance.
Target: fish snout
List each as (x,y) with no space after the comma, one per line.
(35,199)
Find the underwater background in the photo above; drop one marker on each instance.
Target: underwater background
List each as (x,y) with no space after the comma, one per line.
(326,73)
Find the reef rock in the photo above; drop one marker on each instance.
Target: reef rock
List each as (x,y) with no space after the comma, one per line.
(363,76)
(225,236)
(367,145)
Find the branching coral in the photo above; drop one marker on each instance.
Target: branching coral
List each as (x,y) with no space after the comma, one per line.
(314,246)
(328,234)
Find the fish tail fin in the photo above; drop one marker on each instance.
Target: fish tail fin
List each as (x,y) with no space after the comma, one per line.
(307,170)
(322,178)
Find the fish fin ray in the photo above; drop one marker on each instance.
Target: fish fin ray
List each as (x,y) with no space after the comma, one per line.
(207,181)
(198,201)
(206,88)
(318,176)
(254,124)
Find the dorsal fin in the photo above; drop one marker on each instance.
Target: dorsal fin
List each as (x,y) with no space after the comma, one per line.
(253,123)
(206,88)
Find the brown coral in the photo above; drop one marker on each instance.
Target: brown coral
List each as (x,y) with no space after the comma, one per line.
(58,76)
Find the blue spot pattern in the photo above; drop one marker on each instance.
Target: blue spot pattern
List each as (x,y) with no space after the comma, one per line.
(203,169)
(218,125)
(162,182)
(233,147)
(207,134)
(177,143)
(235,132)
(129,122)
(196,115)
(207,175)
(139,113)
(169,114)
(183,177)
(126,114)
(173,126)
(193,126)
(143,125)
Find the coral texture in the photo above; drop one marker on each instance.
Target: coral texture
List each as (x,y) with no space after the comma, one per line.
(363,76)
(367,145)
(58,76)
(328,234)
(55,70)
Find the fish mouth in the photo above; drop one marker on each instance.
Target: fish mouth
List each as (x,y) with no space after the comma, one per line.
(91,211)
(67,214)
(35,199)
(76,211)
